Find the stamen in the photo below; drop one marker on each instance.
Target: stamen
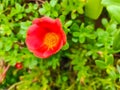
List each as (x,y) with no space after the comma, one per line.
(51,40)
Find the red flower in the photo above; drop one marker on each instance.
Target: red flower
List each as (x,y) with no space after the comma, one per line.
(45,37)
(19,65)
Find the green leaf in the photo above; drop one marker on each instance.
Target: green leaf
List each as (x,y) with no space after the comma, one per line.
(18,7)
(114,11)
(35,6)
(1,7)
(47,6)
(110,2)
(73,15)
(8,45)
(74,27)
(1,44)
(118,68)
(55,63)
(81,38)
(101,64)
(111,72)
(91,36)
(105,22)
(53,2)
(102,36)
(68,23)
(80,8)
(62,18)
(20,16)
(75,40)
(110,60)
(54,13)
(42,11)
(93,8)
(65,78)
(76,34)
(66,46)
(31,63)
(116,41)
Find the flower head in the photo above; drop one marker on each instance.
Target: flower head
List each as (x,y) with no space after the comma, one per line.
(19,65)
(45,37)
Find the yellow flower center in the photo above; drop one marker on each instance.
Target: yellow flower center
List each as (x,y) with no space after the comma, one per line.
(51,40)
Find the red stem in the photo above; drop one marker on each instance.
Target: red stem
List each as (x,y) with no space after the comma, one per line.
(2,76)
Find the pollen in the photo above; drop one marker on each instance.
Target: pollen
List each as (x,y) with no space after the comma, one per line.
(51,39)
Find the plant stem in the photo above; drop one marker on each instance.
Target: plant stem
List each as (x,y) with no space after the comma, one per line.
(2,76)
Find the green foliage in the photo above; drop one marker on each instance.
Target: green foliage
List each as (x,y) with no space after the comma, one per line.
(110,2)
(93,8)
(114,12)
(50,9)
(116,44)
(113,7)
(88,61)
(7,3)
(101,64)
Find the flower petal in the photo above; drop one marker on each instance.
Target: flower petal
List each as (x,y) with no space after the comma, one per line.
(46,23)
(54,50)
(40,52)
(61,31)
(44,52)
(34,38)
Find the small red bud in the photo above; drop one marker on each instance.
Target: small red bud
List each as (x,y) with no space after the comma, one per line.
(19,65)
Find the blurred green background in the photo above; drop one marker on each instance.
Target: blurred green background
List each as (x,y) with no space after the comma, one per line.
(90,60)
